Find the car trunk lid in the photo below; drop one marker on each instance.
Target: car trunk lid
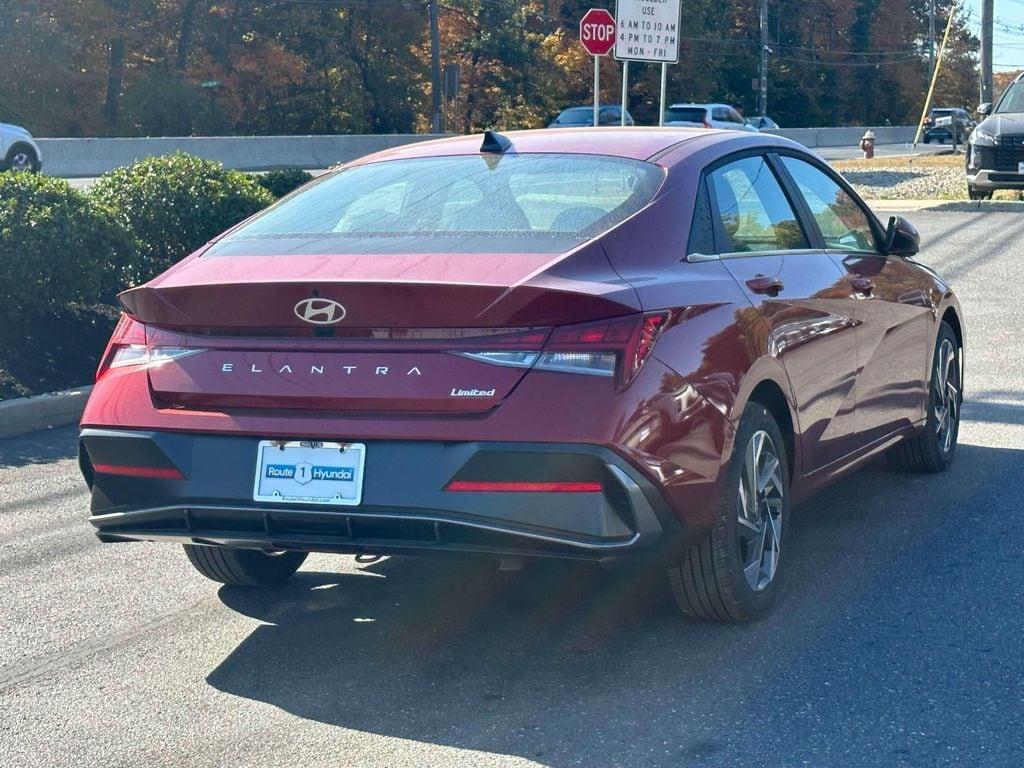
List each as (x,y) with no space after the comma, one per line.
(364,333)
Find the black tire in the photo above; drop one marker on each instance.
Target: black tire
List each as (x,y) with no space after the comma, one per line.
(978,194)
(709,582)
(21,157)
(932,449)
(927,139)
(244,567)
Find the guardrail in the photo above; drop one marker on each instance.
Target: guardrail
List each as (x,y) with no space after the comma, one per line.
(74,158)
(848,137)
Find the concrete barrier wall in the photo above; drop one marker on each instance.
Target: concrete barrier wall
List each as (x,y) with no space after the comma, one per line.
(848,137)
(90,157)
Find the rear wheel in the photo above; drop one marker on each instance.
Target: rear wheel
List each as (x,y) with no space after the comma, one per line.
(244,567)
(734,573)
(932,450)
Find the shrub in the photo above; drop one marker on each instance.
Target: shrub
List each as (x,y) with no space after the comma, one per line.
(280,183)
(58,248)
(175,203)
(62,260)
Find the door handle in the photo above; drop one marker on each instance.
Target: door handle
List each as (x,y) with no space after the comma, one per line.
(862,284)
(765,284)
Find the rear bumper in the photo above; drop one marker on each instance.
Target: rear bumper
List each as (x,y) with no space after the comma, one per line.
(405,508)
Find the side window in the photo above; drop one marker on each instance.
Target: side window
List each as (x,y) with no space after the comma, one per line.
(754,211)
(843,223)
(717,113)
(733,116)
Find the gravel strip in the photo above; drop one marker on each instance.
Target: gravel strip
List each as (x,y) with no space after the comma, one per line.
(894,183)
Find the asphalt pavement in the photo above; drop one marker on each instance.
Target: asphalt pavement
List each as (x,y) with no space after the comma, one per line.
(896,639)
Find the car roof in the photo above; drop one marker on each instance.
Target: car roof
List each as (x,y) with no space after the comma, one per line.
(701,105)
(635,143)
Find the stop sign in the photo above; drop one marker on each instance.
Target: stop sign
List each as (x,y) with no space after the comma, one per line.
(597,31)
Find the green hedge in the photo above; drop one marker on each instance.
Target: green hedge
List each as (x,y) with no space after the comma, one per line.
(63,258)
(64,254)
(57,247)
(173,204)
(283,182)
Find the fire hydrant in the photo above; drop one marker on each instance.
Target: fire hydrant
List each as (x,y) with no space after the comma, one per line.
(867,145)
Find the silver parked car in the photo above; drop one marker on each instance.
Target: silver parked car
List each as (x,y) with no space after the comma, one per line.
(18,149)
(708,116)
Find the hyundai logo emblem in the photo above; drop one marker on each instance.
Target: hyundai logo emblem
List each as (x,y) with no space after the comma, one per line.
(320,311)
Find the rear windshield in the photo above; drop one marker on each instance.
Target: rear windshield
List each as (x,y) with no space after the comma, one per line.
(536,202)
(685,114)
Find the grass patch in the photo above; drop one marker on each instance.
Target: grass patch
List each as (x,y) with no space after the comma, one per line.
(902,163)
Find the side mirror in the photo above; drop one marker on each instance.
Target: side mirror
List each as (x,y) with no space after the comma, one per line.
(901,238)
(985,109)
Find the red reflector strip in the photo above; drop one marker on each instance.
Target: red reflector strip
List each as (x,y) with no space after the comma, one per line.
(156,473)
(535,487)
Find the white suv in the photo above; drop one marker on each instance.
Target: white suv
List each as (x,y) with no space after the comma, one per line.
(708,116)
(18,151)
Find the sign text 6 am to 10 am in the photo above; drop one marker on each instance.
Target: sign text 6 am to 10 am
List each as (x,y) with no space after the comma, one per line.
(647,30)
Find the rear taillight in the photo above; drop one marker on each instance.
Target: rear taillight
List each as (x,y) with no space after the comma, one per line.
(129,346)
(618,347)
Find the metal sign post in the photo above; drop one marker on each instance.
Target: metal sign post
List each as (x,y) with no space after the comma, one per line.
(647,31)
(597,36)
(664,86)
(625,90)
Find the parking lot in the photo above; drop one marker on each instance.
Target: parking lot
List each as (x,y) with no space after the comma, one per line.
(895,642)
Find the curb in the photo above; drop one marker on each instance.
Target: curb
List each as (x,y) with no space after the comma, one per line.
(887,205)
(22,415)
(985,206)
(953,206)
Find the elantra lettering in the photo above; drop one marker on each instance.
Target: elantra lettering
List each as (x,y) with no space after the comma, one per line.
(320,370)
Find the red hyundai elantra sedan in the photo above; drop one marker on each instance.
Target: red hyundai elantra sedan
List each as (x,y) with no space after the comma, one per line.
(589,344)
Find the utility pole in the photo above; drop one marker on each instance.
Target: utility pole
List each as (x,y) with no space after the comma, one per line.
(986,50)
(762,98)
(435,69)
(931,38)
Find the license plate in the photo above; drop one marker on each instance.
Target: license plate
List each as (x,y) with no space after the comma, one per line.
(308,472)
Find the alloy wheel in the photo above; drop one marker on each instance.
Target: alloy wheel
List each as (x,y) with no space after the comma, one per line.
(759,513)
(946,401)
(21,161)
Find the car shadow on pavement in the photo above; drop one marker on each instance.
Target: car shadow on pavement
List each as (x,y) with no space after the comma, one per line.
(40,447)
(567,665)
